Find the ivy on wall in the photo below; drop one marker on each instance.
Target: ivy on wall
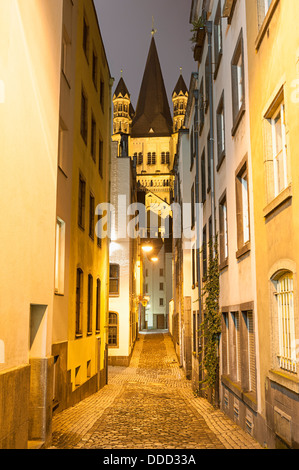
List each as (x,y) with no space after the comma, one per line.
(212,319)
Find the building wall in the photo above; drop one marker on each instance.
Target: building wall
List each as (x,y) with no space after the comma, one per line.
(87,362)
(29,120)
(273,53)
(124,251)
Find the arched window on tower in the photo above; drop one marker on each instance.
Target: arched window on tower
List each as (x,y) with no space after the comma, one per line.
(167,158)
(163,158)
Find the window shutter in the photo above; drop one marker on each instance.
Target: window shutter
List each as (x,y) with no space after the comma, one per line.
(251,352)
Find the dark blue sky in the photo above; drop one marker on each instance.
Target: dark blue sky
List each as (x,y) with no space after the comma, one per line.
(126,30)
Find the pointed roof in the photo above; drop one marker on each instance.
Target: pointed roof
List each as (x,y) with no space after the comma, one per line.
(152,115)
(121,88)
(180,86)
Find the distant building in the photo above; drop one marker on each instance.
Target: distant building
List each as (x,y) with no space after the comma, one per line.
(125,277)
(152,139)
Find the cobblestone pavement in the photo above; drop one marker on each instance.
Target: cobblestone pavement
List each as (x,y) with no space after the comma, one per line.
(148,405)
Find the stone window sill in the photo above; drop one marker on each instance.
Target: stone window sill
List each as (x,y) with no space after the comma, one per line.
(243,250)
(285,380)
(265,24)
(247,397)
(284,196)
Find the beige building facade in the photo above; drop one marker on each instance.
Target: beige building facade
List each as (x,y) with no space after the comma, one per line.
(273,53)
(29,114)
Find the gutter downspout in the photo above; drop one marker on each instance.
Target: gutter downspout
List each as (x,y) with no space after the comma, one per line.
(196,114)
(209,30)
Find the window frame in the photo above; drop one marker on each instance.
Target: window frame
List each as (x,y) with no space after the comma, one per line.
(116,292)
(238,102)
(114,326)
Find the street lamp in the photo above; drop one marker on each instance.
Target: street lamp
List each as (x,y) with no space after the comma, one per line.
(147,248)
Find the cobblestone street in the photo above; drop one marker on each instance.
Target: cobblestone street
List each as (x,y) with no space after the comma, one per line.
(148,405)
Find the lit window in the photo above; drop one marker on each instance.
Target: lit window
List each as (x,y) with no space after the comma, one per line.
(238,83)
(59,256)
(79,300)
(89,303)
(113,330)
(279,149)
(242,201)
(223,230)
(114,279)
(286,325)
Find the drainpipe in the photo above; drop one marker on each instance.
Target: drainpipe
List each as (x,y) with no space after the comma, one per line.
(209,30)
(196,114)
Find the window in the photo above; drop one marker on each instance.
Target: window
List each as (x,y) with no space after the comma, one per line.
(102,95)
(225,343)
(223,238)
(217,38)
(167,158)
(79,300)
(161,287)
(194,331)
(81,209)
(161,271)
(192,149)
(161,303)
(163,159)
(249,379)
(84,116)
(203,177)
(140,158)
(101,157)
(284,296)
(204,252)
(113,330)
(62,147)
(209,162)
(89,304)
(201,107)
(242,202)
(98,306)
(95,69)
(207,83)
(220,131)
(85,37)
(93,138)
(193,267)
(276,148)
(59,256)
(262,8)
(192,206)
(236,349)
(114,279)
(91,215)
(65,59)
(238,83)
(149,158)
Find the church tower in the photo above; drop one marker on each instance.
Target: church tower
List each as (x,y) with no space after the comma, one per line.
(179,100)
(122,109)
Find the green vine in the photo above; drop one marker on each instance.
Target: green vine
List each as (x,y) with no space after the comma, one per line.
(212,319)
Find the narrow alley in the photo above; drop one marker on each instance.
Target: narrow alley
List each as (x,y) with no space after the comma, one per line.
(148,405)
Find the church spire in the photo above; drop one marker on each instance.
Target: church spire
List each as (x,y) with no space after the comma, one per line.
(152,115)
(179,100)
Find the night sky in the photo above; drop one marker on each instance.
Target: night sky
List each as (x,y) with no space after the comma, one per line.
(126,30)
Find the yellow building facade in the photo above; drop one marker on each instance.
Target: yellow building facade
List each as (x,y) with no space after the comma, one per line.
(273,40)
(89,255)
(82,258)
